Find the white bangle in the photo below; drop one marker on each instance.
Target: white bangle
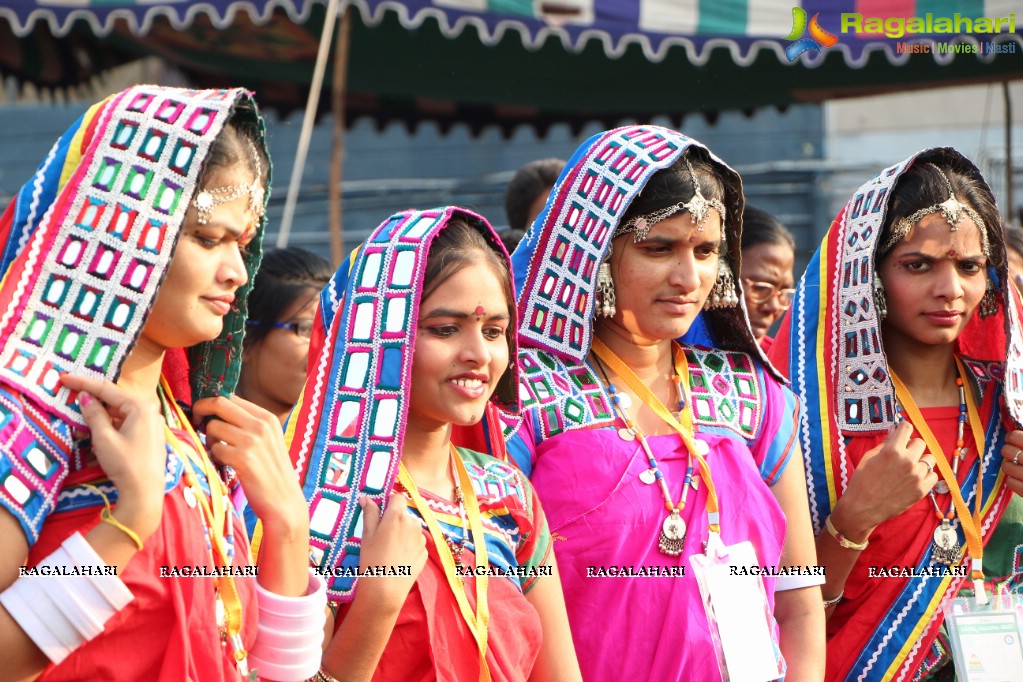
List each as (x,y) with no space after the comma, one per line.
(111,587)
(795,582)
(59,613)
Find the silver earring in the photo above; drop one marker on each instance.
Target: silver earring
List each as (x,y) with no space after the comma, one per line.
(605,306)
(989,303)
(723,294)
(880,305)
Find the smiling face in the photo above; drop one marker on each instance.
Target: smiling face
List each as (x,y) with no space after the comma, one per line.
(207,269)
(933,280)
(461,348)
(662,282)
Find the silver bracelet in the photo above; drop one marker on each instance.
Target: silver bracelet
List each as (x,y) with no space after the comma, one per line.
(831,602)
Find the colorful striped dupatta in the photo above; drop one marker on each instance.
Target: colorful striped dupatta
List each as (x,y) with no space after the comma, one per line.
(831,345)
(86,245)
(347,430)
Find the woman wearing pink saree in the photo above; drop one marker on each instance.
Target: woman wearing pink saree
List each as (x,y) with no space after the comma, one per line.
(641,449)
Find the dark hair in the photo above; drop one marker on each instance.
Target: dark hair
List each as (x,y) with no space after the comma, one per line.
(460,244)
(674,184)
(283,277)
(527,184)
(236,143)
(922,185)
(760,227)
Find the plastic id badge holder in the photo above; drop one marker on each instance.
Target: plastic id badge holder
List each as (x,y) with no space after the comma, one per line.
(986,639)
(741,625)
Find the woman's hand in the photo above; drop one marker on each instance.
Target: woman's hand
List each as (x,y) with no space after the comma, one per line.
(129,443)
(1012,453)
(888,480)
(249,439)
(392,539)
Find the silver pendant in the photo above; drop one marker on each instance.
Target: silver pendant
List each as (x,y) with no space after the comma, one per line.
(946,549)
(189,493)
(648,476)
(673,534)
(626,434)
(941,488)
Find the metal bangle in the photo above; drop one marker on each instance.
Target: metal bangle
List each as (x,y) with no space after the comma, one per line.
(831,602)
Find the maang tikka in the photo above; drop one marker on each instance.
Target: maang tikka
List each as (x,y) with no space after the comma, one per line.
(209,198)
(699,208)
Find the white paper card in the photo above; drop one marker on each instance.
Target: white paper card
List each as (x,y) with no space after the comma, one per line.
(986,643)
(737,609)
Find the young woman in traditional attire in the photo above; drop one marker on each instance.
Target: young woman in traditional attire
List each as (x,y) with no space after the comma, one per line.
(414,336)
(137,238)
(642,449)
(904,343)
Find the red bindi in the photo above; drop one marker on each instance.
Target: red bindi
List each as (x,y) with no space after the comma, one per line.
(479,312)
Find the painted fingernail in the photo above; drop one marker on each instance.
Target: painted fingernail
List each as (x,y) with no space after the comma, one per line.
(84,399)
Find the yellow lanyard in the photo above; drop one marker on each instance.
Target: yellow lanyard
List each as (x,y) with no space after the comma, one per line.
(685,431)
(970,523)
(215,515)
(478,622)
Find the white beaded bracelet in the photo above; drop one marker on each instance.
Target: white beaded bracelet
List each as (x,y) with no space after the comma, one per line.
(59,613)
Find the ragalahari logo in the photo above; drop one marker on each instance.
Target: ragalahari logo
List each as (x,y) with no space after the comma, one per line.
(816,41)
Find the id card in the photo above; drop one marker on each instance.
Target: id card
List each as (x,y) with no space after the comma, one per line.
(741,624)
(986,640)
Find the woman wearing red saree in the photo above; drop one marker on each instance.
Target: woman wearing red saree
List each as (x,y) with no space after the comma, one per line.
(904,344)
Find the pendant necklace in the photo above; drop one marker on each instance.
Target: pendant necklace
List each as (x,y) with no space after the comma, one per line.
(457,548)
(946,549)
(672,537)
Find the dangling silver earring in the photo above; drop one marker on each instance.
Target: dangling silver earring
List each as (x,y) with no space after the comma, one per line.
(989,303)
(880,305)
(605,306)
(723,295)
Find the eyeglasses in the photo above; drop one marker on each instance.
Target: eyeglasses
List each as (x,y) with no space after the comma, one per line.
(761,292)
(302,329)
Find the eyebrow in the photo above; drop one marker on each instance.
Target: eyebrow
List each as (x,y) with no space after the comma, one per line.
(460,314)
(670,241)
(959,256)
(238,235)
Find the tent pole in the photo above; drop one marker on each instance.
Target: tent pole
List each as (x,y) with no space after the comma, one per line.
(1009,206)
(307,123)
(340,78)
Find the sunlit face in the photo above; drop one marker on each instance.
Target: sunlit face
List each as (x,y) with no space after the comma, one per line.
(274,370)
(662,282)
(206,270)
(461,349)
(766,264)
(933,281)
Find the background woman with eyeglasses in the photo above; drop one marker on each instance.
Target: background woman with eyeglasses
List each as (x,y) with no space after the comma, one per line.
(281,310)
(768,254)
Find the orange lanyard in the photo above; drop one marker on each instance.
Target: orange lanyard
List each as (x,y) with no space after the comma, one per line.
(970,523)
(215,516)
(685,430)
(478,622)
